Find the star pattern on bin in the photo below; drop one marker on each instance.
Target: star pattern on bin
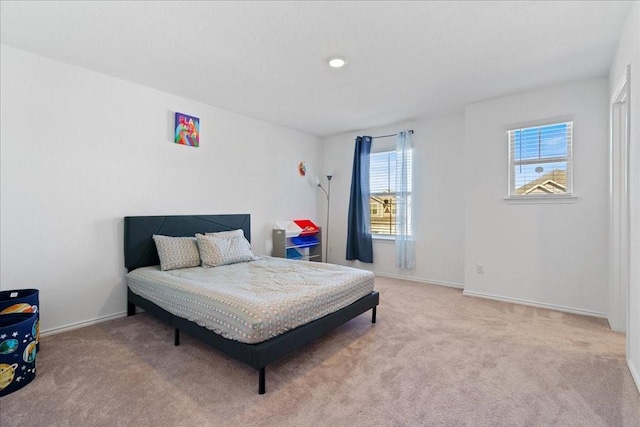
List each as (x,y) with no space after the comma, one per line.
(15,334)
(3,336)
(18,379)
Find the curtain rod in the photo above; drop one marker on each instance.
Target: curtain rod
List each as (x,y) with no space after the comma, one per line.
(387,136)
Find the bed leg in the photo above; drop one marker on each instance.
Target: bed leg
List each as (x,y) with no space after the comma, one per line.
(176,337)
(131,309)
(261,382)
(373,315)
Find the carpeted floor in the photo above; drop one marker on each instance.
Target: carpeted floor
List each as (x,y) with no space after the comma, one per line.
(435,357)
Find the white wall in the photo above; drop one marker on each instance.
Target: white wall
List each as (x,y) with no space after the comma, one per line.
(548,254)
(81,150)
(439,198)
(629,53)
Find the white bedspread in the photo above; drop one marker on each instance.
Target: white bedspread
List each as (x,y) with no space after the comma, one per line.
(253,301)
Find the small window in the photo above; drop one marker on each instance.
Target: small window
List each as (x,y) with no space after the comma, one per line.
(540,161)
(382,200)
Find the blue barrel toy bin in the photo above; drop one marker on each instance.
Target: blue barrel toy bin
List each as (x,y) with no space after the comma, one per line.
(17,351)
(22,301)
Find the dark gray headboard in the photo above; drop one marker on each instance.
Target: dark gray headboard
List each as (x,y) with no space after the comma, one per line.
(139,248)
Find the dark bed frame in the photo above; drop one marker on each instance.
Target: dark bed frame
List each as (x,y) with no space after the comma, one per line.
(140,251)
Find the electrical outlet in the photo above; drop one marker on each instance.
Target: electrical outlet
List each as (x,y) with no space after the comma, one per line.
(479,268)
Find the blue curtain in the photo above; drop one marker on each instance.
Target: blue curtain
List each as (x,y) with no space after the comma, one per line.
(359,242)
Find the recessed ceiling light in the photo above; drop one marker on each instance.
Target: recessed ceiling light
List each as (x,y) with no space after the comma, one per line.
(337,62)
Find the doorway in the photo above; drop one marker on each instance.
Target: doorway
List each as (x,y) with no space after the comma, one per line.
(619,198)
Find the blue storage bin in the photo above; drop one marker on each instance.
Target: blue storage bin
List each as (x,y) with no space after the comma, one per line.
(293,254)
(22,301)
(305,241)
(17,351)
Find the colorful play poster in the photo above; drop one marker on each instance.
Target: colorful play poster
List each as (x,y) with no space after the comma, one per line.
(187,130)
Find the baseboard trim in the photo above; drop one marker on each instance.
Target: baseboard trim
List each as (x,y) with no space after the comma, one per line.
(82,324)
(634,374)
(536,304)
(420,280)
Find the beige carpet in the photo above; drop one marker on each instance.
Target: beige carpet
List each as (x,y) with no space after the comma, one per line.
(435,357)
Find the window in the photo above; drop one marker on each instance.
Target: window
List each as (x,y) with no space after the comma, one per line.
(540,161)
(382,201)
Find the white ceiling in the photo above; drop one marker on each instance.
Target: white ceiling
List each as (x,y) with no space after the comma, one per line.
(267,59)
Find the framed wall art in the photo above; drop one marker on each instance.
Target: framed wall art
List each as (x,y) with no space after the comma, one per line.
(187,130)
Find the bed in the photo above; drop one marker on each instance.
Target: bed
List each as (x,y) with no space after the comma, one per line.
(259,348)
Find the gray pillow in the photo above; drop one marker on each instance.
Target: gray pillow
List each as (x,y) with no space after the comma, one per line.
(177,252)
(232,233)
(224,248)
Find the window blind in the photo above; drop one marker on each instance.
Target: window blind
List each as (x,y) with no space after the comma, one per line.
(382,172)
(382,182)
(540,161)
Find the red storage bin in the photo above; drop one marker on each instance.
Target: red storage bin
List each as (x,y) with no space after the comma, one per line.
(307,226)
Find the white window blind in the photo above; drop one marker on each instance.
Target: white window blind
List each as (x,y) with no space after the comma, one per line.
(540,163)
(382,201)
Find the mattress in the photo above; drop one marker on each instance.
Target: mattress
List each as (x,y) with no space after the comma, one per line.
(252,301)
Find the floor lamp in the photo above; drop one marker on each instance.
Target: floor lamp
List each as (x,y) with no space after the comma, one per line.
(328,194)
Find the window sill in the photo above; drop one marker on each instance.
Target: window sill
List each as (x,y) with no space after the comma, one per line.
(527,200)
(383,238)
